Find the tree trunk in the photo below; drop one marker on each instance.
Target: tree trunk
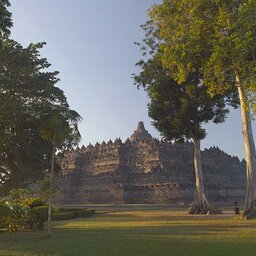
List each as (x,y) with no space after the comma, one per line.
(50,194)
(200,204)
(249,151)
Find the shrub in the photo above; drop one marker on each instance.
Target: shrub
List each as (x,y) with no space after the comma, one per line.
(16,220)
(56,209)
(63,216)
(37,217)
(70,209)
(33,202)
(5,212)
(23,211)
(17,196)
(16,217)
(3,201)
(67,214)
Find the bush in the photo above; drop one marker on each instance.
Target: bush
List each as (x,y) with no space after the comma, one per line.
(5,212)
(33,202)
(17,196)
(17,218)
(70,209)
(3,201)
(37,217)
(63,216)
(22,211)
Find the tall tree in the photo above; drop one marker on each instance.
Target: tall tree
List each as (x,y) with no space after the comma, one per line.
(178,111)
(216,39)
(5,19)
(27,92)
(60,128)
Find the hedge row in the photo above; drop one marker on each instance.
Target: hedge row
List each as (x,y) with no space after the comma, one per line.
(68,214)
(15,217)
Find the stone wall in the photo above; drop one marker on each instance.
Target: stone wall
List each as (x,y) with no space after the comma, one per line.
(147,171)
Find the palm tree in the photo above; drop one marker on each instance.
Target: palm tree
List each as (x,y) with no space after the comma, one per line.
(60,128)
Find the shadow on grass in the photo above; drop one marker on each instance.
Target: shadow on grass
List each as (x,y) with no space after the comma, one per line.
(148,241)
(135,233)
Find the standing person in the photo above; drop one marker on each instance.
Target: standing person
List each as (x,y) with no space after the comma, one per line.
(236,208)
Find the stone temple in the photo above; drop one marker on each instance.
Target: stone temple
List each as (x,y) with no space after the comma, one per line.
(145,170)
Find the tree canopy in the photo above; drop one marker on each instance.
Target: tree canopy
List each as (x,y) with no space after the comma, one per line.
(215,39)
(28,93)
(59,127)
(5,19)
(179,110)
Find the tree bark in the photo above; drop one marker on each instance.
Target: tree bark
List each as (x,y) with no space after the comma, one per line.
(200,204)
(249,151)
(50,194)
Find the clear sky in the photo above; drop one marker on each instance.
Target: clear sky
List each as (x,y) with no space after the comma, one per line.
(91,43)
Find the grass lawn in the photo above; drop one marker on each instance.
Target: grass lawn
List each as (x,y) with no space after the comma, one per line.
(138,230)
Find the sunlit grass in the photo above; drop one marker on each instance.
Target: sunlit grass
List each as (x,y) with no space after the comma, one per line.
(138,231)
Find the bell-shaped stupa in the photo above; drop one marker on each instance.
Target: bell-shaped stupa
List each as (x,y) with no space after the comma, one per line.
(141,133)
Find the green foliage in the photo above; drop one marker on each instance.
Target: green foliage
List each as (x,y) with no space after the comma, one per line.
(22,211)
(18,196)
(16,220)
(5,212)
(23,197)
(26,92)
(16,217)
(33,202)
(28,95)
(44,187)
(178,110)
(5,19)
(59,126)
(37,217)
(214,38)
(179,100)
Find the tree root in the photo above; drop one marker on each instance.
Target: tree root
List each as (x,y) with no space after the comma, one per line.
(208,210)
(198,210)
(249,214)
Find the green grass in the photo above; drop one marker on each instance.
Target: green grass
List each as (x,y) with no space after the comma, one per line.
(138,230)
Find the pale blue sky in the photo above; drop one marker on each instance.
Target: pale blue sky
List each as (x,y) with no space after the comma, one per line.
(91,43)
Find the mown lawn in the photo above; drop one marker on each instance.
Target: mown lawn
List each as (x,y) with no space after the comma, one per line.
(138,231)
